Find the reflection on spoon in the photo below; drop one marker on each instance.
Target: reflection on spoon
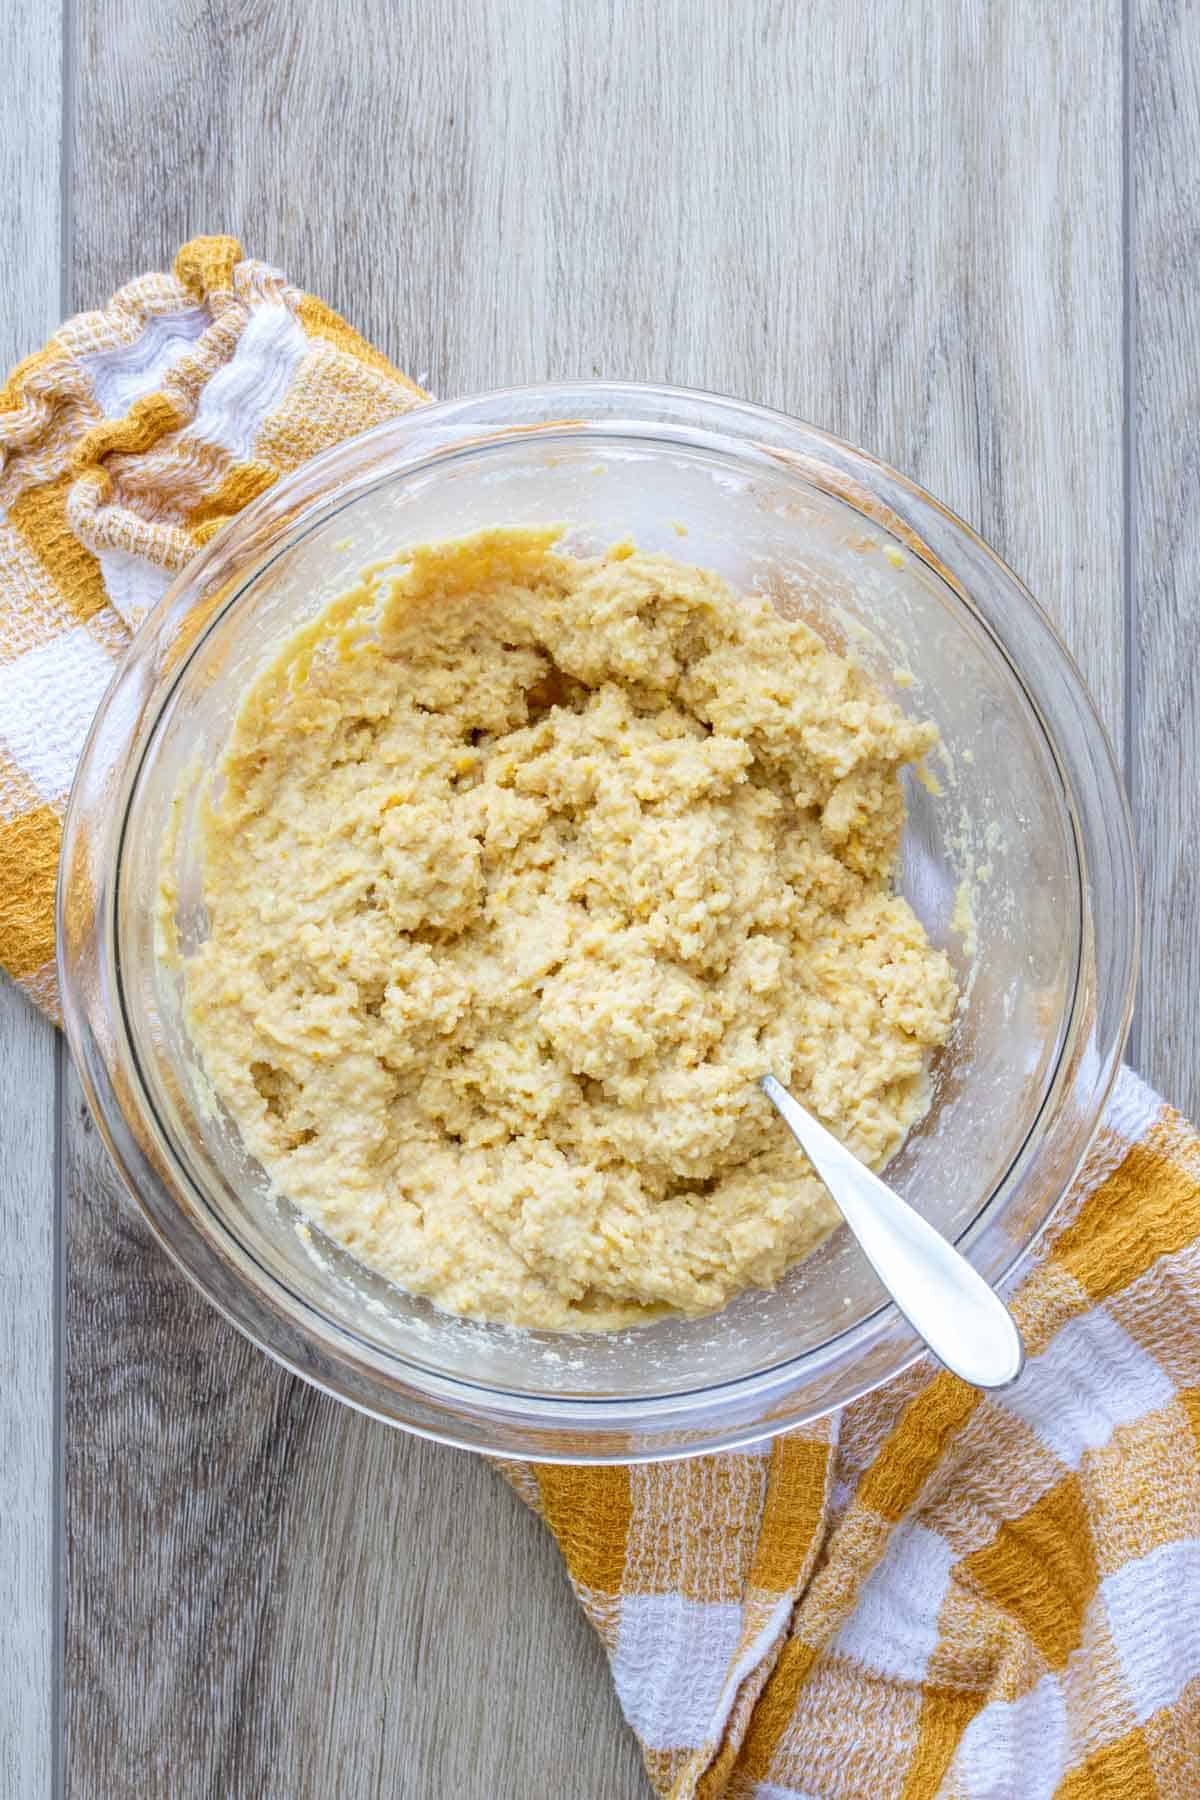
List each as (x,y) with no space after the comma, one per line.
(965,1324)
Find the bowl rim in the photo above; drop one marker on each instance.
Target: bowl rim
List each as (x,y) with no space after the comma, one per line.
(80,999)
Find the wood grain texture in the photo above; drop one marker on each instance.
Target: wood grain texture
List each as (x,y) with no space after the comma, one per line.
(1165,736)
(904,228)
(30,250)
(904,225)
(269,1595)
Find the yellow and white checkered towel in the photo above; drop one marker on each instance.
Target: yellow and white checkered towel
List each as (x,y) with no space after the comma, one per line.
(124,445)
(938,1593)
(934,1593)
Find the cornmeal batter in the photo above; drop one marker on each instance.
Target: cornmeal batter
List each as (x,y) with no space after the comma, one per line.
(521,869)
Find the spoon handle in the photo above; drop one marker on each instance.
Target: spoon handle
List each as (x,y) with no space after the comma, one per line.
(964,1323)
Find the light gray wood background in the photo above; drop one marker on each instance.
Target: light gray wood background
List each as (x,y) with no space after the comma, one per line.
(965,236)
(31,1059)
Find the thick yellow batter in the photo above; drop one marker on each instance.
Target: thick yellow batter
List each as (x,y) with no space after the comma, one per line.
(521,869)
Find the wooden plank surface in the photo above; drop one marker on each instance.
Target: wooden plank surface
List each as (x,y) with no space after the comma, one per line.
(271,1596)
(1165,403)
(30,242)
(905,226)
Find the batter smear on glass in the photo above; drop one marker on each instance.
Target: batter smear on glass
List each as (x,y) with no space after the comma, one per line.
(521,869)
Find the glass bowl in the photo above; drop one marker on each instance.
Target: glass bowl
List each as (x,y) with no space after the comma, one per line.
(1021,867)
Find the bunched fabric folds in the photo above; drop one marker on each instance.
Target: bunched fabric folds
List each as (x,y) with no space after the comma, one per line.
(124,445)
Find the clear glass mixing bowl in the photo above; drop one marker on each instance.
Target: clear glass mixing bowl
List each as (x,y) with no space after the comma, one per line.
(1029,839)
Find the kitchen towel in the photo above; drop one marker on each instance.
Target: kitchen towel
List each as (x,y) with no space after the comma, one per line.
(934,1593)
(124,445)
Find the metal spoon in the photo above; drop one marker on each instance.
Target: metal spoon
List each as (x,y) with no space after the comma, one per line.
(965,1324)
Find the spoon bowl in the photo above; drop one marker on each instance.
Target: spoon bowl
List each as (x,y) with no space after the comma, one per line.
(964,1321)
